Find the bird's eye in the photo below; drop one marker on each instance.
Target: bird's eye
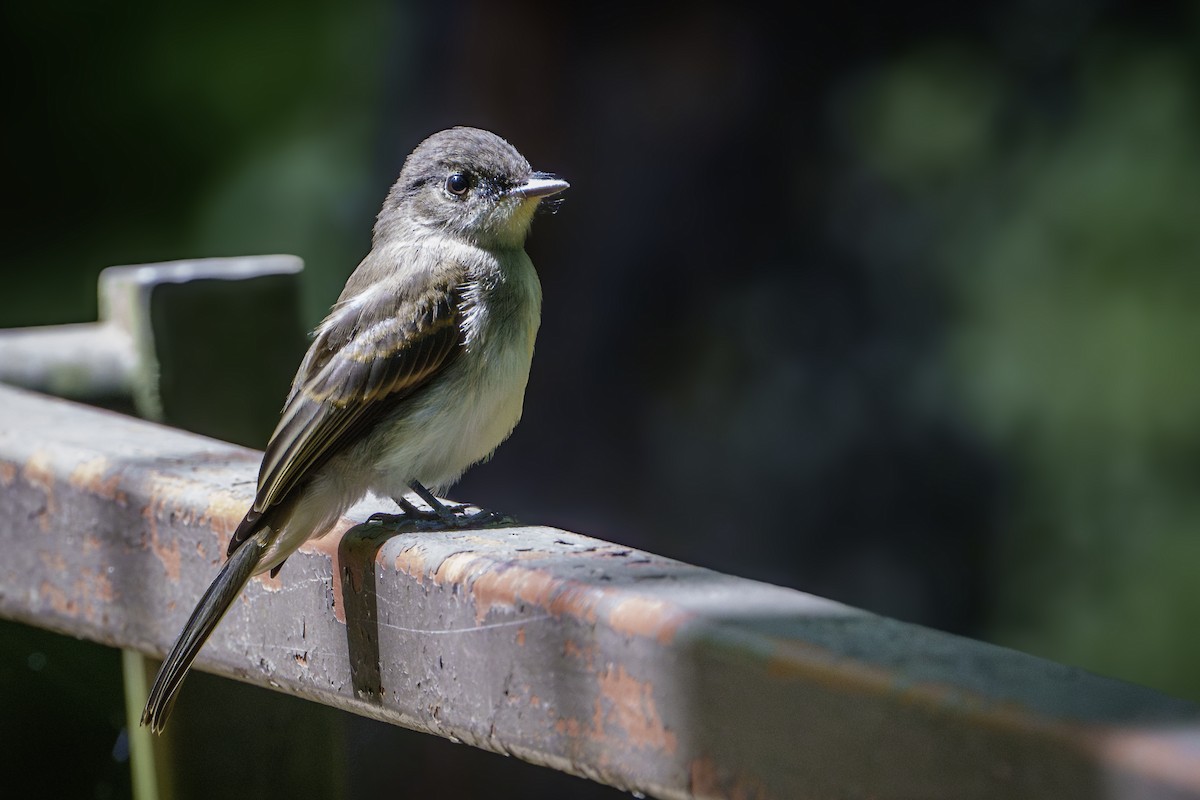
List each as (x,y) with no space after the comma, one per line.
(457,184)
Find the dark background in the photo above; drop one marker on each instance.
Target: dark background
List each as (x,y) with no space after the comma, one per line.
(891,303)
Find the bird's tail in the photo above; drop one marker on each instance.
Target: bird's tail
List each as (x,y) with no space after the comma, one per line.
(216,601)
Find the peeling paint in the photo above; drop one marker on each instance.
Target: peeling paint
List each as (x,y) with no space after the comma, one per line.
(96,585)
(58,599)
(1169,755)
(268,583)
(705,782)
(498,585)
(602,680)
(507,586)
(583,653)
(168,555)
(92,590)
(458,568)
(53,561)
(328,545)
(39,473)
(90,542)
(89,476)
(628,704)
(646,617)
(568,726)
(411,562)
(223,512)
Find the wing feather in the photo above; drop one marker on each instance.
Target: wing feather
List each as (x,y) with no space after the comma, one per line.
(358,368)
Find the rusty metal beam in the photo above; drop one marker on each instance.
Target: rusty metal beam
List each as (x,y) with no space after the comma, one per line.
(603,661)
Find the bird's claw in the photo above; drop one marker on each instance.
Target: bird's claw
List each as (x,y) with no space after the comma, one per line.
(445,517)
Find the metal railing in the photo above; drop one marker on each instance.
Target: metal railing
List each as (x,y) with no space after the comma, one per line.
(585,656)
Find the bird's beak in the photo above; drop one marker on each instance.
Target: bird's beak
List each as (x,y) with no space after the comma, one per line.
(542,184)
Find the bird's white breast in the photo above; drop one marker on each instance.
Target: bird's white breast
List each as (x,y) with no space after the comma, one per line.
(477,401)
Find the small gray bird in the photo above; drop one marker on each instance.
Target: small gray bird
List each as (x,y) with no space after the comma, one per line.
(418,372)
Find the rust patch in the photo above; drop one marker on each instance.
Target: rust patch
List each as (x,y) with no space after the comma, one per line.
(644,617)
(1168,755)
(39,473)
(624,715)
(223,513)
(568,726)
(576,600)
(53,561)
(705,781)
(8,474)
(510,584)
(411,562)
(268,583)
(703,778)
(91,542)
(58,599)
(95,585)
(521,636)
(457,568)
(328,543)
(89,476)
(168,555)
(628,704)
(585,654)
(93,590)
(507,586)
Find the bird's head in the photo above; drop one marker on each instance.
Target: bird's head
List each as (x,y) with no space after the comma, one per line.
(471,184)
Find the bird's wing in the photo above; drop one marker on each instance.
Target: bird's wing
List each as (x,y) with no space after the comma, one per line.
(358,367)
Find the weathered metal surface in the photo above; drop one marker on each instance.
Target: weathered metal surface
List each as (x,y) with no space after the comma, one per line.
(82,361)
(634,670)
(180,341)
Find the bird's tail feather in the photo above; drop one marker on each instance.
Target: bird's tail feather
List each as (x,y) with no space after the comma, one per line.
(209,611)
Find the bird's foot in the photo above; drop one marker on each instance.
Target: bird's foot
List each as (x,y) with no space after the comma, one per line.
(456,517)
(479,518)
(439,515)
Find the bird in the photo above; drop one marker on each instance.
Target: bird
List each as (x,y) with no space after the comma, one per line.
(417,373)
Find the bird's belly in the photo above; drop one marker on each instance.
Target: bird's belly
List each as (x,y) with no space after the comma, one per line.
(455,424)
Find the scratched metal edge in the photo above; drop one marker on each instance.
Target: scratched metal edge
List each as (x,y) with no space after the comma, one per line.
(85,474)
(778,659)
(165,500)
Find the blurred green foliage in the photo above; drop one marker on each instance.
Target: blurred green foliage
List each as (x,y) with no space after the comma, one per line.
(167,131)
(967,249)
(1067,240)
